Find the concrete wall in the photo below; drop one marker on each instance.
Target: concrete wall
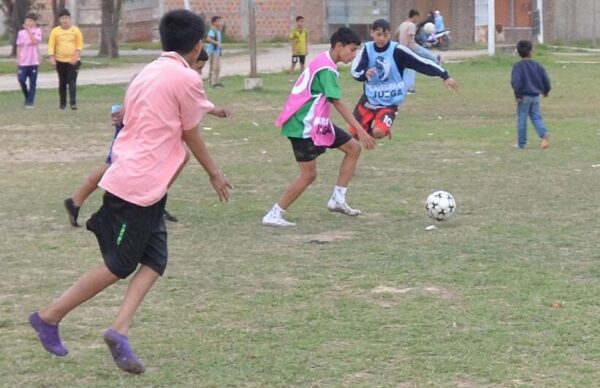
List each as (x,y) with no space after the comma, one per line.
(573,19)
(274,18)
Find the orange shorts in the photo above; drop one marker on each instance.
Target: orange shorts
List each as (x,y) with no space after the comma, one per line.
(370,119)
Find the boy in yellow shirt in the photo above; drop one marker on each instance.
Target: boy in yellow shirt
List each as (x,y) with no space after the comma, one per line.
(299,39)
(64,51)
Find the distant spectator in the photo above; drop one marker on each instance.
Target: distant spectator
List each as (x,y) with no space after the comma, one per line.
(529,79)
(299,40)
(64,48)
(214,50)
(28,57)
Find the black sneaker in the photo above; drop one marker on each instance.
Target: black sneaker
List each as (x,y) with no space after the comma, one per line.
(62,107)
(72,212)
(73,107)
(170,217)
(219,85)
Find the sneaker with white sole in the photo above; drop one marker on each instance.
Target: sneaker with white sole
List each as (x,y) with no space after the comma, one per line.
(342,207)
(271,220)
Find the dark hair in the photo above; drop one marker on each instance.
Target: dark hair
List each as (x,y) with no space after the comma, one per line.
(203,56)
(180,30)
(64,12)
(524,48)
(381,24)
(31,16)
(345,35)
(413,12)
(299,18)
(214,19)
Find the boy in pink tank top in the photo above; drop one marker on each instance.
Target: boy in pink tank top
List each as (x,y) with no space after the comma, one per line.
(300,117)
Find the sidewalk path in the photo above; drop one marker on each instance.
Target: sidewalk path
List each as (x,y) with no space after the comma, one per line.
(268,61)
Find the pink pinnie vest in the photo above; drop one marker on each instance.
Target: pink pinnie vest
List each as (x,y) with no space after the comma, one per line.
(317,119)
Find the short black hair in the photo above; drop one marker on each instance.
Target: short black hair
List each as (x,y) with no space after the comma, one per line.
(381,24)
(180,30)
(64,12)
(214,19)
(345,35)
(31,15)
(299,18)
(524,48)
(413,12)
(203,56)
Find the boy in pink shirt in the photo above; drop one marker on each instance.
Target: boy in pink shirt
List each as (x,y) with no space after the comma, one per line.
(164,105)
(28,57)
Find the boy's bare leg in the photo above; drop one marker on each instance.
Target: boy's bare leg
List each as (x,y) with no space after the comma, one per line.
(45,321)
(337,203)
(351,152)
(90,185)
(308,174)
(116,336)
(90,284)
(138,287)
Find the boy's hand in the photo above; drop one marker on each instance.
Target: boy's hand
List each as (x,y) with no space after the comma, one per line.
(451,84)
(221,186)
(367,140)
(221,112)
(370,73)
(52,61)
(117,117)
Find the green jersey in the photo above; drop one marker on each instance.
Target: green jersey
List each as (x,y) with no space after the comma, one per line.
(324,82)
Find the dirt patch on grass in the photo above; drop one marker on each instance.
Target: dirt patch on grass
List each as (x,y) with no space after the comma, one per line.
(328,237)
(427,290)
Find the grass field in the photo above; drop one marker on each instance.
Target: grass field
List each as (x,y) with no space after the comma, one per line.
(370,301)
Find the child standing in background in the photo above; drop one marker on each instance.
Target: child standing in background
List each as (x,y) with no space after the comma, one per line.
(28,57)
(529,80)
(214,50)
(299,39)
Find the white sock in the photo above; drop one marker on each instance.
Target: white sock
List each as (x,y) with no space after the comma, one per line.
(339,194)
(277,211)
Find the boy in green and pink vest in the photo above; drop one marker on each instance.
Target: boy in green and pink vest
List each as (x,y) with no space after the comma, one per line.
(305,121)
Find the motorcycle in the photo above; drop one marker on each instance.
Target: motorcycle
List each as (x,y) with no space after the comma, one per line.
(439,40)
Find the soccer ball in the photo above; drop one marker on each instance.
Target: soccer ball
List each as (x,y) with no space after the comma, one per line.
(440,205)
(429,28)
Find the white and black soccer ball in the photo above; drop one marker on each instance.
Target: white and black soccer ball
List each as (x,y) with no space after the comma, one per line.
(440,205)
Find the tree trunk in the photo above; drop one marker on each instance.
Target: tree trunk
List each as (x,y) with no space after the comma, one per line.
(109,30)
(57,5)
(17,16)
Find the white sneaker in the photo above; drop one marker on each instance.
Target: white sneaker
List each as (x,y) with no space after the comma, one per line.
(342,207)
(271,220)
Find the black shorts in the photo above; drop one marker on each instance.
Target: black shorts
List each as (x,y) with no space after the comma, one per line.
(130,234)
(301,58)
(305,150)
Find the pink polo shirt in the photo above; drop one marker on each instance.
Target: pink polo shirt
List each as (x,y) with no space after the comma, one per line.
(29,53)
(165,99)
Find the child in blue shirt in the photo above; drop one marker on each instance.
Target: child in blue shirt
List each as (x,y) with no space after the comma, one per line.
(529,80)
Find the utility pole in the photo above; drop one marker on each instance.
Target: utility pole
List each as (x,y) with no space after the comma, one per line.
(593,24)
(253,81)
(491,41)
(540,6)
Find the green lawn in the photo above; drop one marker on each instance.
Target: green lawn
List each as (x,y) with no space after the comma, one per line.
(369,301)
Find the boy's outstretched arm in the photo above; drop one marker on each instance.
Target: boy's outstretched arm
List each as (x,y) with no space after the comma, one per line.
(195,142)
(363,136)
(220,112)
